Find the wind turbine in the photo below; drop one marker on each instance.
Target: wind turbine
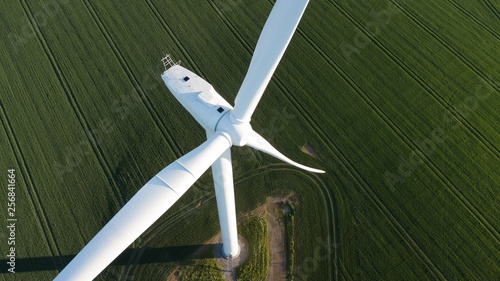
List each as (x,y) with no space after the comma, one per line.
(225,126)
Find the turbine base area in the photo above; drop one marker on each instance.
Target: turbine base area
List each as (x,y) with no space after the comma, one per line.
(196,95)
(223,260)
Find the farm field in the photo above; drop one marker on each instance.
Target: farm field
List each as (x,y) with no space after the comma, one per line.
(398,98)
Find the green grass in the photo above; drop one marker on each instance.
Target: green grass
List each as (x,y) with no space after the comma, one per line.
(201,268)
(86,121)
(256,266)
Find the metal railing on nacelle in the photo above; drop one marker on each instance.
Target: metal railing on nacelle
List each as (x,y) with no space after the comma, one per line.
(168,62)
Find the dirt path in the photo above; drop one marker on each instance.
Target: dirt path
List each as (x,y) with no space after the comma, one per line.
(276,249)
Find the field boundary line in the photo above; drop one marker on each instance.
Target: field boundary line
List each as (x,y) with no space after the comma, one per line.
(453,189)
(30,187)
(130,74)
(74,104)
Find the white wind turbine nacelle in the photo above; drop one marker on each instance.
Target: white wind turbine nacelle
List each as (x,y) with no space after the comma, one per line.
(225,126)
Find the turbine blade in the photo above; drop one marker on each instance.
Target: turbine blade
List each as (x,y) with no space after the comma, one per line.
(273,41)
(258,142)
(147,205)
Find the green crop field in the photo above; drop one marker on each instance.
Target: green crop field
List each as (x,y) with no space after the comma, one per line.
(398,98)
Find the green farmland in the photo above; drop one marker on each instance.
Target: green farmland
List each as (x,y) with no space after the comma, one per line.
(400,100)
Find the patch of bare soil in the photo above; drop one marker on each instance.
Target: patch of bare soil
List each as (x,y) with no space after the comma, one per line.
(309,149)
(276,249)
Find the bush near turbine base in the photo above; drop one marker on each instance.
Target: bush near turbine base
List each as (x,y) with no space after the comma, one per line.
(256,267)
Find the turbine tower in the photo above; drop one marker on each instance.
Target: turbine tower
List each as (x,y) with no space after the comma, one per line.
(225,126)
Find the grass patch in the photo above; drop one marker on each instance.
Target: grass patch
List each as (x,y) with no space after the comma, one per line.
(203,268)
(256,266)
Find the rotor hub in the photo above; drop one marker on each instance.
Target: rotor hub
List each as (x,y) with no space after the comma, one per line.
(238,131)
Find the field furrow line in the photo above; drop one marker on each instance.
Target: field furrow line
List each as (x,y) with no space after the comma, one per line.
(480,73)
(30,187)
(134,81)
(448,108)
(443,42)
(473,210)
(474,18)
(231,27)
(347,275)
(492,8)
(172,35)
(74,104)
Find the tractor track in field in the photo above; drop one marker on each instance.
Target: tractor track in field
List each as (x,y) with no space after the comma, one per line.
(356,175)
(347,274)
(473,210)
(470,65)
(32,193)
(134,81)
(152,233)
(172,35)
(474,18)
(74,104)
(447,107)
(493,9)
(358,178)
(445,44)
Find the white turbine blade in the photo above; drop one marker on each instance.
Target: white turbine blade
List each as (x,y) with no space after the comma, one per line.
(150,202)
(273,40)
(258,142)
